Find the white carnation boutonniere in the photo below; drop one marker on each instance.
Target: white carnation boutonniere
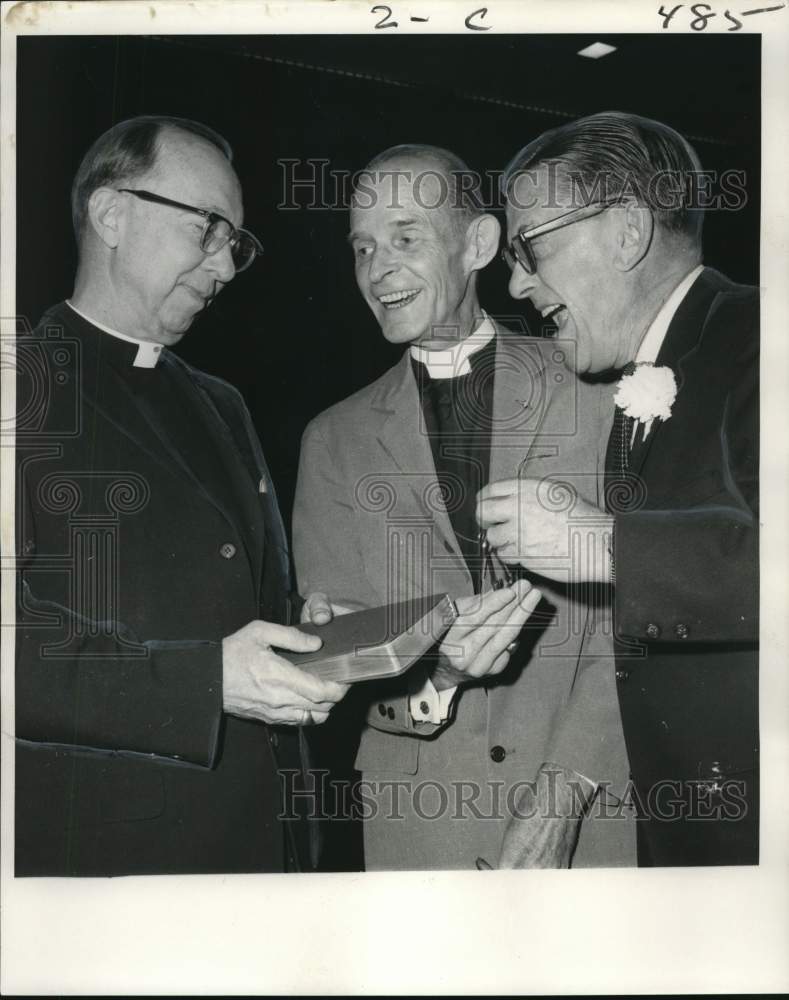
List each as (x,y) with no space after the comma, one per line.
(647,394)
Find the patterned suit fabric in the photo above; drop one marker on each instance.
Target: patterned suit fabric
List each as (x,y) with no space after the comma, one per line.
(617,456)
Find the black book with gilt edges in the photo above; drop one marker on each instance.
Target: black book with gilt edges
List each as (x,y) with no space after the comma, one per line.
(377,642)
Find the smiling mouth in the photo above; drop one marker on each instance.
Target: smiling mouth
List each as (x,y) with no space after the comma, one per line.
(397,300)
(556,313)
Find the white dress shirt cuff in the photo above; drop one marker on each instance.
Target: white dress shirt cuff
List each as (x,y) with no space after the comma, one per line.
(429,705)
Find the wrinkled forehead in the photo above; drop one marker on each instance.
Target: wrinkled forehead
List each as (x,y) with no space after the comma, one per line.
(191,169)
(414,187)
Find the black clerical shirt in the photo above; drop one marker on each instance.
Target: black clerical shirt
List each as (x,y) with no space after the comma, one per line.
(458,416)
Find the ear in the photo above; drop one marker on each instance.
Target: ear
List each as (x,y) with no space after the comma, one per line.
(105,211)
(635,229)
(482,241)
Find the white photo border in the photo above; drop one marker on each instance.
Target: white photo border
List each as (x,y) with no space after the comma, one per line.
(637,931)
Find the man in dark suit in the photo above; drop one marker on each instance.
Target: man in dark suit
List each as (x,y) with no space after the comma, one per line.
(605,236)
(152,710)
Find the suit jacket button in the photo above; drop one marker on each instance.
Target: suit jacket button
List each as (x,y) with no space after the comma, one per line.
(390,712)
(653,631)
(29,547)
(424,708)
(227,551)
(622,675)
(382,709)
(681,631)
(497,754)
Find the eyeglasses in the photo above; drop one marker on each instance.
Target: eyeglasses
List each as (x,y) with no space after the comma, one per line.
(217,231)
(520,251)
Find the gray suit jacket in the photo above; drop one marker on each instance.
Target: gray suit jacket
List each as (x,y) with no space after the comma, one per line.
(370,528)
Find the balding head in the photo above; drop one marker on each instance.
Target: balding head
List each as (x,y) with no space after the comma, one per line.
(437,180)
(419,236)
(126,152)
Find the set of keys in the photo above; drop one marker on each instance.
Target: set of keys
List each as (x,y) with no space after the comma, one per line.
(504,577)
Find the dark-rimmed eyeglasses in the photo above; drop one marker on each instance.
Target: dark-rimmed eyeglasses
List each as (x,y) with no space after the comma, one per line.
(520,250)
(217,231)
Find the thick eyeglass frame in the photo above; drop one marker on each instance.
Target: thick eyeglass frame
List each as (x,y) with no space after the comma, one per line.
(235,238)
(519,250)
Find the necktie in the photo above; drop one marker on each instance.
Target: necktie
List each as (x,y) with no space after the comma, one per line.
(617,456)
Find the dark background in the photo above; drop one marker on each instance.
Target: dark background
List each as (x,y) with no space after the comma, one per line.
(293,332)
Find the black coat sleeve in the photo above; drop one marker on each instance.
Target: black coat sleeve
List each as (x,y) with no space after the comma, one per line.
(95,685)
(85,681)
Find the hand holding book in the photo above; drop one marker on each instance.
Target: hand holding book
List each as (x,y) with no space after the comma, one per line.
(319,610)
(473,637)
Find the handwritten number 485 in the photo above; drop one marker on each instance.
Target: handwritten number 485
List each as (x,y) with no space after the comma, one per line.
(703,14)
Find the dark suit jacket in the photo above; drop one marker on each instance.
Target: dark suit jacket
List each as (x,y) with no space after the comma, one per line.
(143,540)
(687,577)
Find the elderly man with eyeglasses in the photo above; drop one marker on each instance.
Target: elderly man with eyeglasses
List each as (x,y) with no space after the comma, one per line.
(153,710)
(604,235)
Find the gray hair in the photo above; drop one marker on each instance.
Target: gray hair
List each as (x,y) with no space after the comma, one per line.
(614,153)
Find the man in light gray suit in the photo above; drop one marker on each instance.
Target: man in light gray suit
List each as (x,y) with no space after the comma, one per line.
(388,479)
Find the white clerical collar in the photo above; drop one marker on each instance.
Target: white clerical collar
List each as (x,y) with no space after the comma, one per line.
(455,360)
(658,328)
(148,353)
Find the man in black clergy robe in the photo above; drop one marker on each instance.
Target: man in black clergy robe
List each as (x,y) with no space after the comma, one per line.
(605,235)
(152,710)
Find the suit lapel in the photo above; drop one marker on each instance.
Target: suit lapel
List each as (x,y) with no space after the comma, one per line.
(681,340)
(401,440)
(225,473)
(106,388)
(533,397)
(146,429)
(110,394)
(549,423)
(527,407)
(523,407)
